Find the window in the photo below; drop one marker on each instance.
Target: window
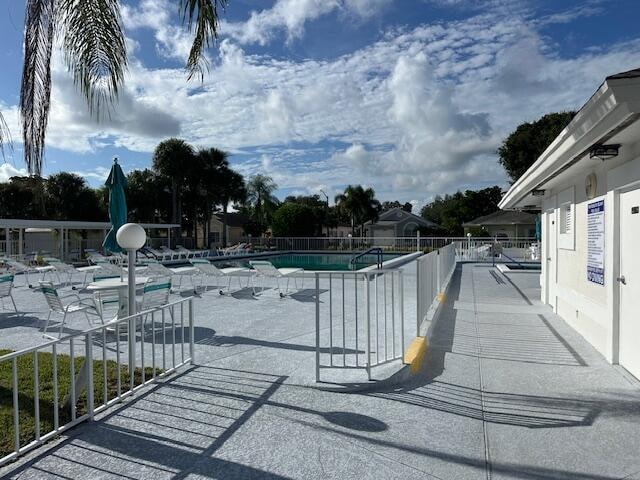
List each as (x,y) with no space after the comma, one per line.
(567,219)
(566,223)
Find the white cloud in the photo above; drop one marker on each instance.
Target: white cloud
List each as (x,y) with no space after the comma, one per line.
(7,171)
(418,113)
(290,17)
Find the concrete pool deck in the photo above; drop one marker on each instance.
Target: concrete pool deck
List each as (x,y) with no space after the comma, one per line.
(508,390)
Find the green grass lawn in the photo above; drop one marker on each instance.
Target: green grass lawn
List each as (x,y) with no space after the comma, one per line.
(26,391)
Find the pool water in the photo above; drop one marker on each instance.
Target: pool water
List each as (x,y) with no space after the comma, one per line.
(317,261)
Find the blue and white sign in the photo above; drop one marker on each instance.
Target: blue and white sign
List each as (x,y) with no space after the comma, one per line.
(595,242)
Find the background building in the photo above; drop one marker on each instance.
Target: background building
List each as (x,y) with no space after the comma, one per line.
(504,224)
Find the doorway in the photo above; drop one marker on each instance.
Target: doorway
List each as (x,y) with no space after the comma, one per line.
(629,281)
(551,257)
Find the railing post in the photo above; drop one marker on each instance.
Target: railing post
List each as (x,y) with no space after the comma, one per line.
(438,271)
(368,303)
(88,362)
(401,308)
(192,349)
(417,240)
(318,326)
(418,297)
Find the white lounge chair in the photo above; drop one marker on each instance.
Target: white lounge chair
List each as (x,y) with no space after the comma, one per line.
(62,270)
(206,269)
(54,301)
(156,269)
(6,285)
(266,269)
(16,267)
(160,256)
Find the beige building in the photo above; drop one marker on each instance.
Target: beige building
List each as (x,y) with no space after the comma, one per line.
(505,224)
(235,229)
(396,223)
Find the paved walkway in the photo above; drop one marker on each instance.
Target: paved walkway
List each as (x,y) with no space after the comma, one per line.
(508,391)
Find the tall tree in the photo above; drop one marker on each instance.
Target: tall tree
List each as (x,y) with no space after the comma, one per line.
(260,196)
(172,158)
(147,200)
(68,197)
(451,211)
(90,35)
(232,189)
(522,147)
(360,204)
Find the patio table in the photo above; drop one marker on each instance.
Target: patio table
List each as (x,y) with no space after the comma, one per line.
(120,286)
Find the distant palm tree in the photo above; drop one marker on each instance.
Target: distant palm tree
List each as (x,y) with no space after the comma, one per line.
(94,47)
(360,204)
(171,159)
(232,189)
(260,190)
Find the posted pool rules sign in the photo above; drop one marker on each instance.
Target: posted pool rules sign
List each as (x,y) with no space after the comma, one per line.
(595,242)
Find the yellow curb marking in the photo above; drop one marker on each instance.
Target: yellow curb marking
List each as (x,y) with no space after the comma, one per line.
(415,353)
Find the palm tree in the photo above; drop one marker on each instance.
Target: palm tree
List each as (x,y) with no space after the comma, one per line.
(360,204)
(92,40)
(172,159)
(232,189)
(260,196)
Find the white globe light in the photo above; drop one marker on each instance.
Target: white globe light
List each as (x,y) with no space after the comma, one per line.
(131,236)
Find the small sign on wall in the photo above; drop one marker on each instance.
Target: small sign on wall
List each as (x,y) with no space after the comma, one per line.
(595,241)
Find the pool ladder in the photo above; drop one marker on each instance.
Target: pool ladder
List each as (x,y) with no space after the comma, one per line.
(375,250)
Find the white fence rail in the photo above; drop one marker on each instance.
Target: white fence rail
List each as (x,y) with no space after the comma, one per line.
(360,320)
(433,270)
(105,364)
(400,244)
(491,250)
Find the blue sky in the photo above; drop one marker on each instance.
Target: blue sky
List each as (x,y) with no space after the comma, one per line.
(411,97)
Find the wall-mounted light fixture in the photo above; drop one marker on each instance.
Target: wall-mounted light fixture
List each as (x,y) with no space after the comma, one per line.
(538,192)
(604,152)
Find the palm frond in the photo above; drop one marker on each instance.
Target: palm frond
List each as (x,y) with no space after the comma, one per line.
(5,137)
(35,93)
(94,49)
(204,14)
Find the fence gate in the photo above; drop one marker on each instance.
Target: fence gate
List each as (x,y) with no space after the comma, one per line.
(359,319)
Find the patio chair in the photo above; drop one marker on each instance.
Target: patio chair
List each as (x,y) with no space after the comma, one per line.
(266,269)
(16,267)
(155,293)
(155,269)
(56,305)
(62,270)
(173,255)
(157,254)
(206,269)
(6,285)
(192,253)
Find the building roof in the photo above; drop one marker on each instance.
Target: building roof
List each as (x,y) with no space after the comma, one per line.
(234,219)
(503,217)
(396,215)
(70,224)
(610,116)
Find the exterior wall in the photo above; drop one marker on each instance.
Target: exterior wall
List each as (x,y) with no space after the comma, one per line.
(590,308)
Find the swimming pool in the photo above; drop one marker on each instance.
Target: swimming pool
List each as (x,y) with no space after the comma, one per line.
(312,261)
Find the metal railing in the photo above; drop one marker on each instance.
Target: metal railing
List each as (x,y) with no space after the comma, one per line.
(120,357)
(354,244)
(360,319)
(496,250)
(375,250)
(433,271)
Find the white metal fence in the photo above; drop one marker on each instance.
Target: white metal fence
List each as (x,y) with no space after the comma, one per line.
(105,364)
(433,270)
(492,250)
(360,319)
(399,244)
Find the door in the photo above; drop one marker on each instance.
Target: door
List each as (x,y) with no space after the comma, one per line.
(552,251)
(629,281)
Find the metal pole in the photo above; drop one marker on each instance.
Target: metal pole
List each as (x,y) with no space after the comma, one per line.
(417,240)
(131,276)
(317,327)
(192,350)
(368,306)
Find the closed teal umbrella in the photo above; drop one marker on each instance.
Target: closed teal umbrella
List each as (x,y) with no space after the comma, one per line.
(116,183)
